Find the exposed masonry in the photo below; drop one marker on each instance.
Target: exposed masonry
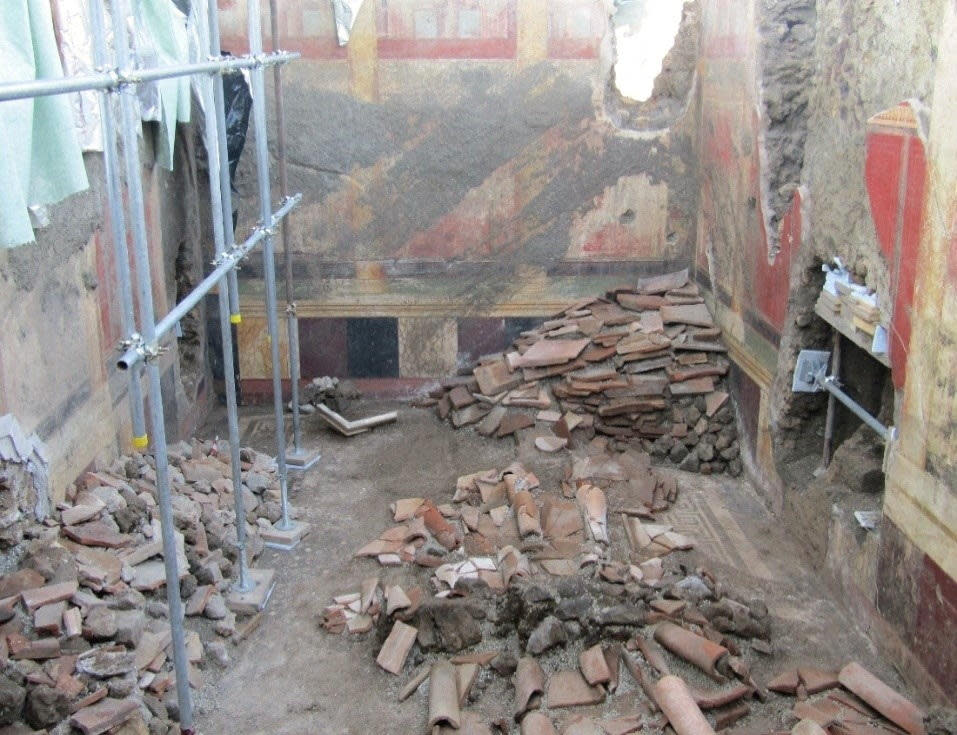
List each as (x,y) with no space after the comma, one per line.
(673,87)
(788,30)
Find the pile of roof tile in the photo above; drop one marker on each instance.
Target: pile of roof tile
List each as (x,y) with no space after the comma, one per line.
(588,584)
(644,366)
(85,639)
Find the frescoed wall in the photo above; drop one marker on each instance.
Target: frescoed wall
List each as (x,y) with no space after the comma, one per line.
(456,161)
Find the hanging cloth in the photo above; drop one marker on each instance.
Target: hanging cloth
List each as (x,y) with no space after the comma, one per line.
(40,157)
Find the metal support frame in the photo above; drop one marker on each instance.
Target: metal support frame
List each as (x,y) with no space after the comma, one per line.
(258,79)
(831,416)
(123,77)
(830,384)
(142,347)
(131,155)
(118,227)
(298,458)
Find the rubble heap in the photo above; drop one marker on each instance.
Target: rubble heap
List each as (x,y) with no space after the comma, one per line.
(85,639)
(559,592)
(644,366)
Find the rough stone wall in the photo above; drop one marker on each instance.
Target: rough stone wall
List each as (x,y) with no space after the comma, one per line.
(787,67)
(59,314)
(869,56)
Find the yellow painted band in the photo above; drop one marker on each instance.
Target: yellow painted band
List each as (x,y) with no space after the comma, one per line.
(141,442)
(235,318)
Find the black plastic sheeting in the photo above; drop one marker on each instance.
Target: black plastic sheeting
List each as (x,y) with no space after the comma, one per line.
(238,103)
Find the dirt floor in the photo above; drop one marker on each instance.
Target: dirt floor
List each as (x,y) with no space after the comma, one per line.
(291,677)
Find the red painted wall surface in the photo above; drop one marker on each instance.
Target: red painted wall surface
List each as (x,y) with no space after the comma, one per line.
(755,282)
(895,174)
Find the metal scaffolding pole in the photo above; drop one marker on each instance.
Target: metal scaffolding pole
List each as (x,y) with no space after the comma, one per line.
(157,419)
(269,264)
(142,348)
(211,122)
(298,458)
(225,184)
(117,78)
(293,323)
(118,227)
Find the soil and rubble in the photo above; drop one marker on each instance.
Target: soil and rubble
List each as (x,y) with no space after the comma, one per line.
(598,615)
(644,366)
(85,642)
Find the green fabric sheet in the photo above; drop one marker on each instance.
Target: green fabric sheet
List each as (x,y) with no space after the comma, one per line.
(40,158)
(162,26)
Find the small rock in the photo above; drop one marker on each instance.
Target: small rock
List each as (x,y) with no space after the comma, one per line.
(129,627)
(45,706)
(157,609)
(693,589)
(504,664)
(574,608)
(678,452)
(446,625)
(549,633)
(12,696)
(691,463)
(120,687)
(218,653)
(227,626)
(621,615)
(104,664)
(216,608)
(128,599)
(100,624)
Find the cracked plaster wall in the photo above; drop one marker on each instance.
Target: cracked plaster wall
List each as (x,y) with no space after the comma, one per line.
(867,57)
(60,321)
(438,181)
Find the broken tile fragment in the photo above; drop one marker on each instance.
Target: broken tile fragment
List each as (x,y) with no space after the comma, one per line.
(593,665)
(550,444)
(512,422)
(443,695)
(569,689)
(894,706)
(537,723)
(103,716)
(495,377)
(40,596)
(529,682)
(395,650)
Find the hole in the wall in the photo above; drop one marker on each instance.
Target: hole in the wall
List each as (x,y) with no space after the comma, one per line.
(645,31)
(627,217)
(655,60)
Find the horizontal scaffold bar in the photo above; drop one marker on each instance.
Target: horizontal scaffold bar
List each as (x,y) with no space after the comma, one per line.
(115,78)
(137,349)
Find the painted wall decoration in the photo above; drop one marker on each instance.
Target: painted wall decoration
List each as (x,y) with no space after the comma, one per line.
(446,29)
(895,172)
(575,28)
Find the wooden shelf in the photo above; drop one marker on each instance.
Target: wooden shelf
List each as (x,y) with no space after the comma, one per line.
(842,325)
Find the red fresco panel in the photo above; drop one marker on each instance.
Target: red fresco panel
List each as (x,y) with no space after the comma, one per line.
(446,29)
(912,216)
(306,26)
(107,292)
(575,29)
(895,174)
(772,283)
(881,174)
